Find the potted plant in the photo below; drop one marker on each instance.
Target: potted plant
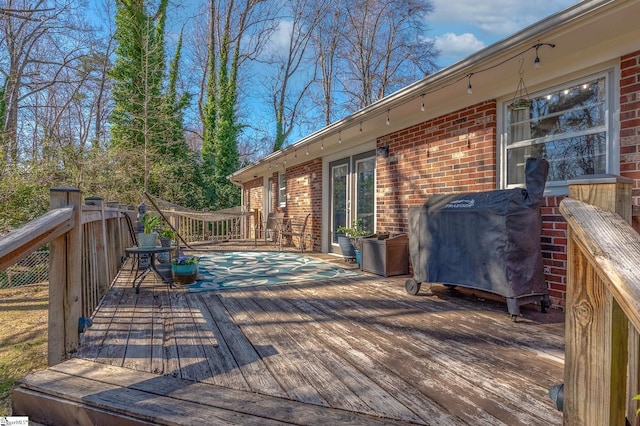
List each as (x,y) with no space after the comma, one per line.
(149,236)
(521,103)
(184,269)
(166,234)
(347,249)
(354,235)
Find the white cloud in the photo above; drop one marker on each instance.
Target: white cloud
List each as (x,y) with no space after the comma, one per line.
(457,45)
(498,17)
(462,27)
(279,40)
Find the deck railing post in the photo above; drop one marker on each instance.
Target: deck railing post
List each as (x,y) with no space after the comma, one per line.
(596,328)
(65,280)
(122,234)
(115,248)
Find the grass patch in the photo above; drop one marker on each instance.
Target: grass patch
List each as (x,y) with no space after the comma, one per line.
(23,336)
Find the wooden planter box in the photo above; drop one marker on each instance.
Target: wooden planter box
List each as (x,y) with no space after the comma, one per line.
(386,257)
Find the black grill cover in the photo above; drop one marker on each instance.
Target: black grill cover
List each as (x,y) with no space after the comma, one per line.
(486,240)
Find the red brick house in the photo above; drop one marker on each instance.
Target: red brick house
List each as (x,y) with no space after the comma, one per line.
(458,131)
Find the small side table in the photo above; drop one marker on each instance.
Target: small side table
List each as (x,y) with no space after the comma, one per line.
(136,252)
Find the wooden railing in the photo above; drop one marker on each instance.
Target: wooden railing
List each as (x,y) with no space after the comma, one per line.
(603,304)
(87,246)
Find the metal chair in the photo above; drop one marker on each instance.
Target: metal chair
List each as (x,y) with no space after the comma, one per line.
(296,230)
(257,226)
(273,228)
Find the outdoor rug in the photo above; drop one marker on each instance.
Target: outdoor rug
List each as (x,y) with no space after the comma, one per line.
(247,269)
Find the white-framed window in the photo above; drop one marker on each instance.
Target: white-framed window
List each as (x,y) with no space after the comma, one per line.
(282,189)
(569,125)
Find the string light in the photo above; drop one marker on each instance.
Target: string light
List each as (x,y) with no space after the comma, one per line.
(536,61)
(537,64)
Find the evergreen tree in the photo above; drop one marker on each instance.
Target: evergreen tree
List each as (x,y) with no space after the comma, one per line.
(220,140)
(147,121)
(183,182)
(138,119)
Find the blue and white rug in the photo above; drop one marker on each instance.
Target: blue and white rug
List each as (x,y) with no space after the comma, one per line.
(247,269)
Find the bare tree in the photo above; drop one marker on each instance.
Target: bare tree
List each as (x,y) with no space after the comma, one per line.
(326,41)
(231,28)
(40,41)
(383,48)
(290,62)
(237,33)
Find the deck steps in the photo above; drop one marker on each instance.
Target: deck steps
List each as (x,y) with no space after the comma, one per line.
(88,393)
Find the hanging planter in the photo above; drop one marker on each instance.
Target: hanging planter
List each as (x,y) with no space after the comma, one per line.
(522,103)
(521,99)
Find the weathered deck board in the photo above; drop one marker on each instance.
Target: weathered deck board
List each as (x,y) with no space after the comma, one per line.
(91,341)
(268,341)
(372,384)
(139,347)
(114,345)
(457,363)
(157,334)
(224,368)
(359,345)
(170,362)
(320,366)
(389,364)
(168,400)
(191,354)
(248,360)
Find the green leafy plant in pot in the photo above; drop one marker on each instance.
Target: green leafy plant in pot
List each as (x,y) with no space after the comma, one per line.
(166,234)
(354,233)
(148,238)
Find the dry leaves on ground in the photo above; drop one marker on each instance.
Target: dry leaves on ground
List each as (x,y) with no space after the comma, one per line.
(23,336)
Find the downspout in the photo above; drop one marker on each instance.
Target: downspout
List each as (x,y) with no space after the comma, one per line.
(241,186)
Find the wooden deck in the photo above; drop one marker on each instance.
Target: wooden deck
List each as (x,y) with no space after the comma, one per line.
(349,351)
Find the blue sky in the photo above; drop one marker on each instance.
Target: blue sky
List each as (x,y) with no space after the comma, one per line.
(462,27)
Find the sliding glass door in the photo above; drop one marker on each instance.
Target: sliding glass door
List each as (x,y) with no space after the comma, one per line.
(352,192)
(340,200)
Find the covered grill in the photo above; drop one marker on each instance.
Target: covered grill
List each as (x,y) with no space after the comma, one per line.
(485,240)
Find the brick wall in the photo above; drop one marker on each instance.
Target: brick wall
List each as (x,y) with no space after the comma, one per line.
(304,195)
(630,123)
(554,248)
(457,153)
